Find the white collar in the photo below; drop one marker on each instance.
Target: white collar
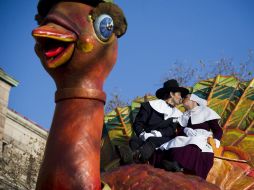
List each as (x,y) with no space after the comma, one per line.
(201,114)
(162,107)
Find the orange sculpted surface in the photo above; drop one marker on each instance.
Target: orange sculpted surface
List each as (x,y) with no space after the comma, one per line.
(143,177)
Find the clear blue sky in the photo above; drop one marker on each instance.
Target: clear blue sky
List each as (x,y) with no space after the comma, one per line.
(160,33)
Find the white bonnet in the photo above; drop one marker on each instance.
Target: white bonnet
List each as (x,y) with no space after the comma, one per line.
(200,101)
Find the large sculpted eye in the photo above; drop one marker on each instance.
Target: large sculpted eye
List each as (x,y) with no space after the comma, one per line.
(104,26)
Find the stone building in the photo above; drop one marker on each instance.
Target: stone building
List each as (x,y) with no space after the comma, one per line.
(21,143)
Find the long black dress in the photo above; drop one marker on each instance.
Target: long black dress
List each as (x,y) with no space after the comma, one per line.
(190,157)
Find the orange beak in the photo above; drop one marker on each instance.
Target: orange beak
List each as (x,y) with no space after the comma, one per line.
(54,44)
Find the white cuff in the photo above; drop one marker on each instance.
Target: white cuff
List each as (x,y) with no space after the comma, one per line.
(217,143)
(141,134)
(156,133)
(145,135)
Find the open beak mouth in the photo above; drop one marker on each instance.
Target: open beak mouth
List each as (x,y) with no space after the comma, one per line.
(54,44)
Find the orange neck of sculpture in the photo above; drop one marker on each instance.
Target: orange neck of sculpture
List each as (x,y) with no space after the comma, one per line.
(72,155)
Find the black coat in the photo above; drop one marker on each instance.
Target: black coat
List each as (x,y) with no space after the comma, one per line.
(149,119)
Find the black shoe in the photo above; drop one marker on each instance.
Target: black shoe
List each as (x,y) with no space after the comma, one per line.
(137,157)
(171,166)
(125,154)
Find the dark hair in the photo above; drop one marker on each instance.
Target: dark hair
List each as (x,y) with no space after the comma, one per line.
(166,96)
(184,95)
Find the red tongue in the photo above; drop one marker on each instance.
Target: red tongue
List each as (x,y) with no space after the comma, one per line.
(53,52)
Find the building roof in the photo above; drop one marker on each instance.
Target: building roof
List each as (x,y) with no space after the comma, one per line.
(8,78)
(27,123)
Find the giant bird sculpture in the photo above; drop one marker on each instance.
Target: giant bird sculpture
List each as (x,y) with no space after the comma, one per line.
(77,45)
(233,100)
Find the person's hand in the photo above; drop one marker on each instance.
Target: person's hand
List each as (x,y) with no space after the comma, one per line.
(145,135)
(156,133)
(217,143)
(189,132)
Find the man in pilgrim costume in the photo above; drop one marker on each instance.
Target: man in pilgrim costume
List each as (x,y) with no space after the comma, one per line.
(190,149)
(154,123)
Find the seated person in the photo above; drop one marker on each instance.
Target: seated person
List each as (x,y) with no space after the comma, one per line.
(190,150)
(154,124)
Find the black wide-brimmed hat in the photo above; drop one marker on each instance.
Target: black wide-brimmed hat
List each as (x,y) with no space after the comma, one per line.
(171,86)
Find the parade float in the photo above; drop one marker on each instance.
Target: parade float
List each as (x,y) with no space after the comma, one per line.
(232,99)
(77,45)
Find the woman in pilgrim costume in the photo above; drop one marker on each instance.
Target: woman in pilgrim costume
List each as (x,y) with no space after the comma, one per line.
(191,149)
(154,124)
